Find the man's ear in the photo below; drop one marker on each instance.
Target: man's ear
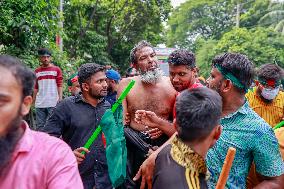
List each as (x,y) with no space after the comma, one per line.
(26,105)
(194,71)
(85,86)
(228,85)
(216,133)
(113,82)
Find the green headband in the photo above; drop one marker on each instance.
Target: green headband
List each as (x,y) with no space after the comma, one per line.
(228,75)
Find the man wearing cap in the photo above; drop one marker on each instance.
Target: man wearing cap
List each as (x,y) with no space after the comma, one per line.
(113,78)
(73,85)
(48,87)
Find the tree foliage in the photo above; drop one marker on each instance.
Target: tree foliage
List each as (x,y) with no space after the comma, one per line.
(27,25)
(207,27)
(101,31)
(205,18)
(104,31)
(274,17)
(261,45)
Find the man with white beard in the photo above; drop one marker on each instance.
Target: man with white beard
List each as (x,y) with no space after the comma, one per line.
(153,92)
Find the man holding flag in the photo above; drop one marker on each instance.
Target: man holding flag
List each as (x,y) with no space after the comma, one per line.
(77,117)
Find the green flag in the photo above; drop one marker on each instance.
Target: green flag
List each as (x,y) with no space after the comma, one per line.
(116,152)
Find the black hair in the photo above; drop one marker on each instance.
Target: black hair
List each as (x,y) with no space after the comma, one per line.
(43,51)
(270,71)
(86,71)
(182,57)
(24,76)
(140,45)
(239,65)
(198,111)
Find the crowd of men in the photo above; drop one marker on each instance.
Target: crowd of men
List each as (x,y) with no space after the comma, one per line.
(176,129)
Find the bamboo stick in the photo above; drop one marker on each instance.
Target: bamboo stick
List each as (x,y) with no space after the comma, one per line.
(226,168)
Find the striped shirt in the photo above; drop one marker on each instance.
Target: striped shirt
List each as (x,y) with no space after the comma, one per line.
(254,140)
(272,112)
(48,79)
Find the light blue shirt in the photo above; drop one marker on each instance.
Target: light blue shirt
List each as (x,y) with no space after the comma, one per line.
(254,140)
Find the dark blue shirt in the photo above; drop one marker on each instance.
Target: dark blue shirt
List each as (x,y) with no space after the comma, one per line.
(111,97)
(75,120)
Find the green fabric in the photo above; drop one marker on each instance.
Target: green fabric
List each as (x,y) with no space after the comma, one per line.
(116,152)
(226,74)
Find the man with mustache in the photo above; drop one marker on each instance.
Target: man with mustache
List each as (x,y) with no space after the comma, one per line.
(182,71)
(76,118)
(29,159)
(153,92)
(254,140)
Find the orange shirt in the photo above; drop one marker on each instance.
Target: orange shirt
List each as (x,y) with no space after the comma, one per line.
(272,112)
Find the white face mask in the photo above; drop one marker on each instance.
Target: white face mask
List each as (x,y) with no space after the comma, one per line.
(269,94)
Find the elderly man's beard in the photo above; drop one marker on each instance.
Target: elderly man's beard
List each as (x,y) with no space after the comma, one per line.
(9,142)
(152,76)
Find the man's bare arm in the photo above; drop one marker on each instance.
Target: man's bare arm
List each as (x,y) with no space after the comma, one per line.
(123,83)
(150,119)
(60,93)
(270,182)
(34,95)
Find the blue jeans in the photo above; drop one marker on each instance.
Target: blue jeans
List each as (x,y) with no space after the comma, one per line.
(41,116)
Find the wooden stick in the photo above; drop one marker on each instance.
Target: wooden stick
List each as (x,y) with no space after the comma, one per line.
(226,168)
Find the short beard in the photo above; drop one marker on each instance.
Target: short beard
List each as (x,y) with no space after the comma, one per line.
(8,143)
(151,77)
(93,94)
(217,88)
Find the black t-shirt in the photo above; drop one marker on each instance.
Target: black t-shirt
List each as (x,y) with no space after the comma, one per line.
(171,175)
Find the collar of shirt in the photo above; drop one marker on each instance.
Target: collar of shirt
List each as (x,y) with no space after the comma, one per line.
(186,157)
(195,85)
(79,98)
(112,93)
(25,144)
(242,110)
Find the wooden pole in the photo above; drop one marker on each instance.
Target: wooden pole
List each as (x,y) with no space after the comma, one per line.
(226,168)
